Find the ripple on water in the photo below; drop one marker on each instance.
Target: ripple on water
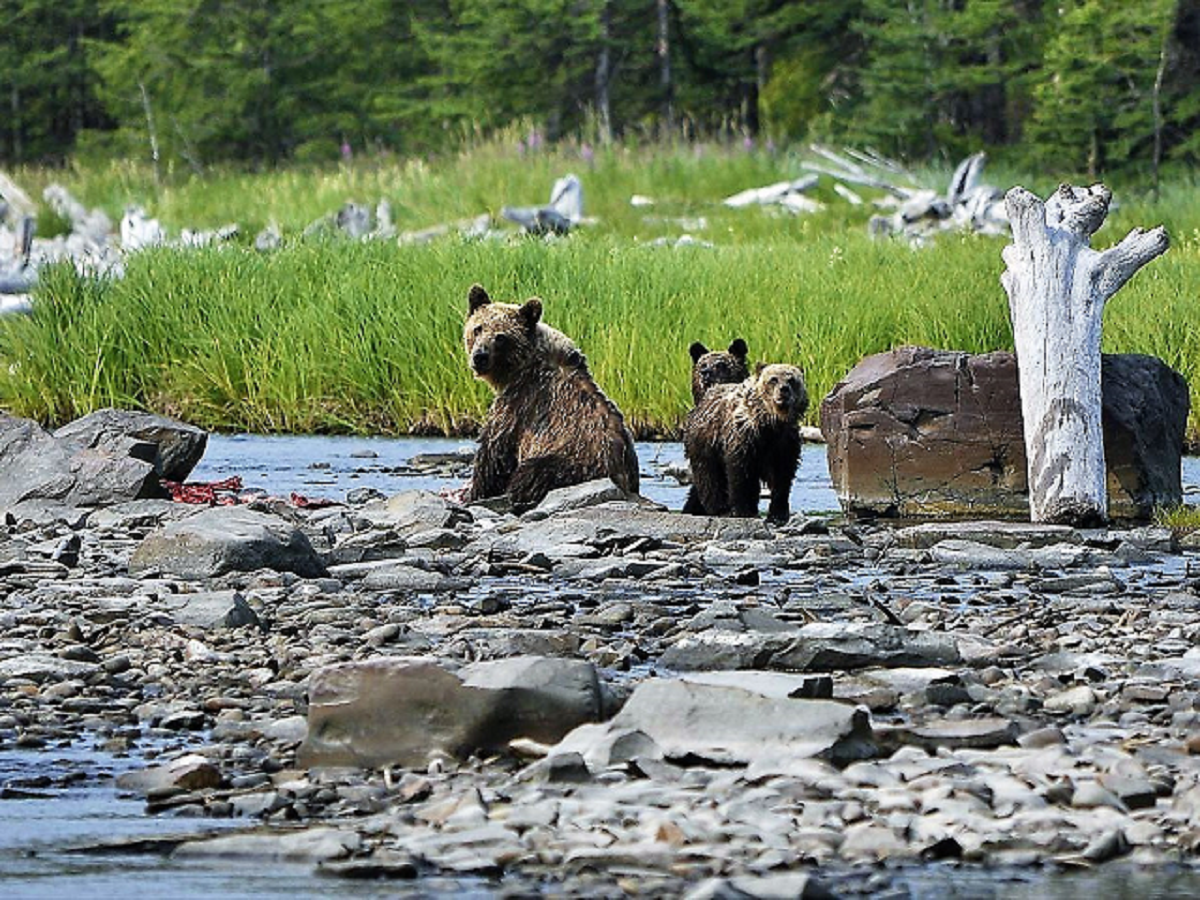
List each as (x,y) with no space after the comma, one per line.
(329,466)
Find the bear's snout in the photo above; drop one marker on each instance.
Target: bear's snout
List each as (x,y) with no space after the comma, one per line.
(481,360)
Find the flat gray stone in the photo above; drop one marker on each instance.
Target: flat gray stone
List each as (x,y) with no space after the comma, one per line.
(179,446)
(226,539)
(405,711)
(309,845)
(41,667)
(730,725)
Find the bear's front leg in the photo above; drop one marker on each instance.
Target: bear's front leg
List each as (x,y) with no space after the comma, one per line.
(781,472)
(780,510)
(495,462)
(692,506)
(743,487)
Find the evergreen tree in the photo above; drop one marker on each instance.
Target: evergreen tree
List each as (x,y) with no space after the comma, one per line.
(1094,104)
(945,76)
(46,94)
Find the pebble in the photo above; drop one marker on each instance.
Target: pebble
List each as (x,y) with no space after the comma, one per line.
(1026,705)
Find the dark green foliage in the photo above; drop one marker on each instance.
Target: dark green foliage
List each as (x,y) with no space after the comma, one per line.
(1075,85)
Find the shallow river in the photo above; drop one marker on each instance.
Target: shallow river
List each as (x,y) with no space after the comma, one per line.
(330,466)
(72,801)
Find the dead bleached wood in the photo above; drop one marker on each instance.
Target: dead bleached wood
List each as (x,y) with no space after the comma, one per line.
(564,211)
(16,198)
(856,172)
(1057,287)
(780,192)
(919,213)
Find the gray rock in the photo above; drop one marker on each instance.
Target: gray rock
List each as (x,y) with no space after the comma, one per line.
(211,609)
(188,773)
(938,433)
(405,711)
(179,446)
(226,539)
(1002,535)
(727,724)
(820,646)
(42,667)
(412,512)
(578,496)
(951,734)
(308,845)
(34,466)
(402,578)
(837,645)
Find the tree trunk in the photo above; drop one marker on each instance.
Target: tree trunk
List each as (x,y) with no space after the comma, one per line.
(150,131)
(604,75)
(1057,287)
(15,105)
(664,68)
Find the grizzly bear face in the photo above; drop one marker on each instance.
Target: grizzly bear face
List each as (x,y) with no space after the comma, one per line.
(782,389)
(500,338)
(717,366)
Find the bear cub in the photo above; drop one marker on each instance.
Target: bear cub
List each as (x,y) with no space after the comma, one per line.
(549,425)
(742,435)
(711,367)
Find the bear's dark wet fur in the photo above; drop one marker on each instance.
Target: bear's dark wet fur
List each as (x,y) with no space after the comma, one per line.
(550,425)
(742,435)
(710,367)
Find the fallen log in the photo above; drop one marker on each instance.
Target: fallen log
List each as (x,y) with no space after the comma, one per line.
(1057,288)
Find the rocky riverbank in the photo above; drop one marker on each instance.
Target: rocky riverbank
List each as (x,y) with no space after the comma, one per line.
(602,696)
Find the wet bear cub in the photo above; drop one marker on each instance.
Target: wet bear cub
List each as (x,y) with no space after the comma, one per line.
(549,425)
(711,367)
(742,435)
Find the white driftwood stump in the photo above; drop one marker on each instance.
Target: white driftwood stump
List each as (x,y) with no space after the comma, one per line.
(1057,287)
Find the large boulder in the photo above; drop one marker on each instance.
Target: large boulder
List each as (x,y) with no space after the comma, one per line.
(727,718)
(407,710)
(939,434)
(226,539)
(178,447)
(35,466)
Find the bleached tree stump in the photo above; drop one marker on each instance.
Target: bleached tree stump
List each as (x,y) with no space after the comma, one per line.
(1057,287)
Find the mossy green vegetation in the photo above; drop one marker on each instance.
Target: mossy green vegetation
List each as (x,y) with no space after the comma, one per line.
(1183,519)
(329,335)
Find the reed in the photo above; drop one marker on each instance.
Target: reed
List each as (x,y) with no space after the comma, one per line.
(327,335)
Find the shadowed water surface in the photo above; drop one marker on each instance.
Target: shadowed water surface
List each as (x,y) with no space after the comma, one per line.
(329,466)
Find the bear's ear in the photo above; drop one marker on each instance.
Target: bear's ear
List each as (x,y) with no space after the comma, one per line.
(477,297)
(738,348)
(530,312)
(758,368)
(697,350)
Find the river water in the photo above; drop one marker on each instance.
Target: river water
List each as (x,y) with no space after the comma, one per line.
(63,799)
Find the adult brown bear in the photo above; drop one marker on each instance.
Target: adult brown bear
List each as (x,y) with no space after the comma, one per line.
(550,425)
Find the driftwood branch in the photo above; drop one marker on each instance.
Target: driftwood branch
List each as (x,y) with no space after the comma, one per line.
(1057,288)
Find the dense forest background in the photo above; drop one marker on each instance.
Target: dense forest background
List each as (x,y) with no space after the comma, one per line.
(1075,85)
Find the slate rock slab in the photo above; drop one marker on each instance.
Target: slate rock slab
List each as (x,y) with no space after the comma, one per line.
(732,719)
(178,447)
(35,466)
(817,647)
(226,539)
(408,710)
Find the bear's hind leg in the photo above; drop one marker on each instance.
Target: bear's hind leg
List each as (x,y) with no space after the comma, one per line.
(539,475)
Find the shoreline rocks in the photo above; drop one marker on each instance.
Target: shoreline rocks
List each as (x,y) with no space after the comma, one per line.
(511,700)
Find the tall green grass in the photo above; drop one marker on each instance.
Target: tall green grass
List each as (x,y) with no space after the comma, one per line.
(335,336)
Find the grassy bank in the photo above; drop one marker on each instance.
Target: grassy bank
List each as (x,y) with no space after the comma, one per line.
(329,335)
